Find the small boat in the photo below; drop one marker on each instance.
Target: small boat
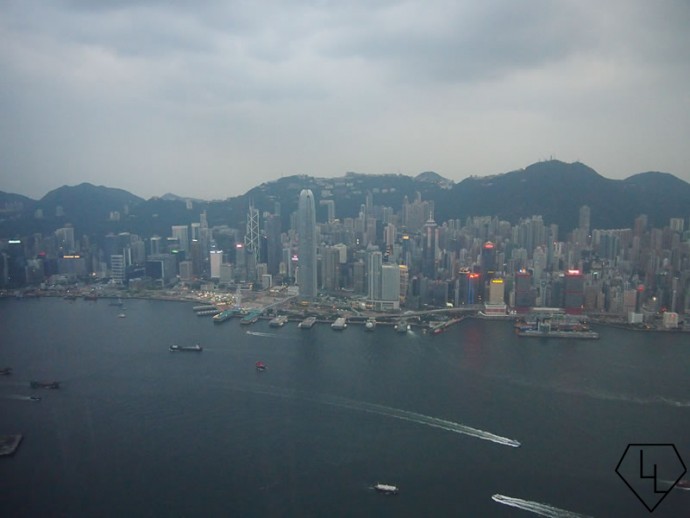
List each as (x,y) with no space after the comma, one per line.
(5,371)
(370,324)
(45,384)
(260,366)
(194,348)
(683,484)
(122,315)
(34,398)
(386,489)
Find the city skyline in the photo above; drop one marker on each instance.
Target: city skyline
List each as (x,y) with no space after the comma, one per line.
(390,258)
(147,96)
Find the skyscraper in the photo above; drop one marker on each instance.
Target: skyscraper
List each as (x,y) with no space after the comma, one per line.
(429,249)
(306,226)
(374,274)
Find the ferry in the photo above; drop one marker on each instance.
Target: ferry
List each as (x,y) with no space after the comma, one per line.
(250,318)
(544,329)
(194,348)
(339,324)
(307,323)
(45,384)
(278,321)
(225,315)
(386,489)
(370,324)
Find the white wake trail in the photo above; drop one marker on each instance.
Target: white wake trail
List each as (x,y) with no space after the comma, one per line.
(536,507)
(387,411)
(267,335)
(414,417)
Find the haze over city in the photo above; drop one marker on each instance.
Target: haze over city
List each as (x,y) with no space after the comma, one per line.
(210,99)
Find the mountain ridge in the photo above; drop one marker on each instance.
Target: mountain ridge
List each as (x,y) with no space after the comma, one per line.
(554,189)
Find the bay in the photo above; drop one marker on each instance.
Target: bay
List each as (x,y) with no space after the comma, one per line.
(136,430)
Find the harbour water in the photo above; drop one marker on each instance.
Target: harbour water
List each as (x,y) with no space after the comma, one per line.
(136,430)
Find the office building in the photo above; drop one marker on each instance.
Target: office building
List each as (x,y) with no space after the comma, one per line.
(306,228)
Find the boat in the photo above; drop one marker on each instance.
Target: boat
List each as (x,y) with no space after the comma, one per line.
(386,489)
(278,321)
(339,324)
(260,366)
(307,323)
(402,326)
(34,398)
(45,384)
(121,315)
(193,348)
(225,315)
(683,484)
(544,329)
(370,324)
(250,317)
(6,371)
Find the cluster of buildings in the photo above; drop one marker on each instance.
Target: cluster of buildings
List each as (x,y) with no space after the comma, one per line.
(388,259)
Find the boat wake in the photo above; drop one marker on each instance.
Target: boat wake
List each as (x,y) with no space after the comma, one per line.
(612,396)
(387,411)
(670,483)
(19,397)
(267,335)
(603,394)
(535,507)
(414,417)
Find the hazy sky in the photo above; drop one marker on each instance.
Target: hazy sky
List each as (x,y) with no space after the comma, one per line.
(210,98)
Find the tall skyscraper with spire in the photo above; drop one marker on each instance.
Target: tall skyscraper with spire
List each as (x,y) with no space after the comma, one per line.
(306,227)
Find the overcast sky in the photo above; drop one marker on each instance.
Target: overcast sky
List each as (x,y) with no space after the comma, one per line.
(210,98)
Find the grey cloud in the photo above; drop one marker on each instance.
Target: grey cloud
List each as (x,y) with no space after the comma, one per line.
(271,87)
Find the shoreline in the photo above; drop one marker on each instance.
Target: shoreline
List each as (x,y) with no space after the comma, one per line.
(362,315)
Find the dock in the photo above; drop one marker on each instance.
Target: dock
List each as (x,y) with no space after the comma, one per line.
(9,444)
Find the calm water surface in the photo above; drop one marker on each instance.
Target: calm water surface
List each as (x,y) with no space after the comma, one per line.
(138,431)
